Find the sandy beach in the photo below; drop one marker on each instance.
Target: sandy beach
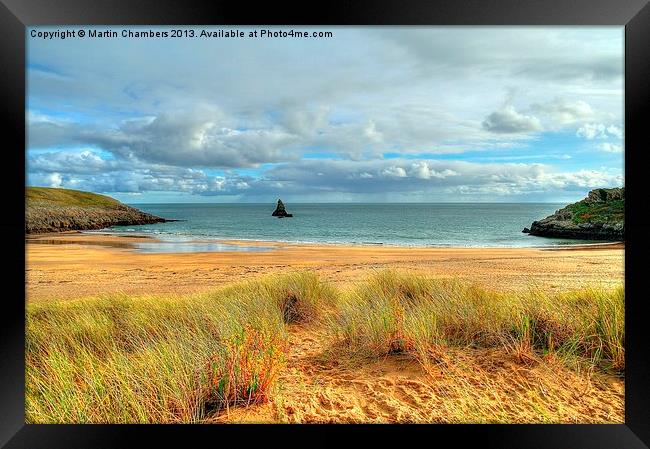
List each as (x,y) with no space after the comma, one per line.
(316,387)
(77,264)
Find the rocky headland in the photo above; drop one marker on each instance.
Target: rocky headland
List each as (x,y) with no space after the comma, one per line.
(57,210)
(600,216)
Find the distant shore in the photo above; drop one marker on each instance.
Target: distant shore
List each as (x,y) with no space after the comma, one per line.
(74,264)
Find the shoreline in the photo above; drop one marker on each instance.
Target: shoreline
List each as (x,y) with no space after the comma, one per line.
(72,265)
(110,239)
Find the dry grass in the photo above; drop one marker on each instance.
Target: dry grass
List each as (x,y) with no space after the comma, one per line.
(395,312)
(122,359)
(492,357)
(508,357)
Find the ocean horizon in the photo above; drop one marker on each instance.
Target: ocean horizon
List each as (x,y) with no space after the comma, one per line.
(393,224)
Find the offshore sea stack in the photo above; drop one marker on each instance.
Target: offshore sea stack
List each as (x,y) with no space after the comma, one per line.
(58,210)
(280,211)
(600,216)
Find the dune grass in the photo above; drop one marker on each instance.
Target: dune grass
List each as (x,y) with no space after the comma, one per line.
(493,357)
(395,312)
(165,359)
(123,359)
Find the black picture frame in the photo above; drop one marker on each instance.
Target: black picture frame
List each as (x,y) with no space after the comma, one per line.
(16,15)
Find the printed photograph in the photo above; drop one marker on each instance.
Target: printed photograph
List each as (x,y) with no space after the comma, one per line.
(356,224)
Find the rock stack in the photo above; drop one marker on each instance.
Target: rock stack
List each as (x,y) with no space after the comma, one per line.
(280,211)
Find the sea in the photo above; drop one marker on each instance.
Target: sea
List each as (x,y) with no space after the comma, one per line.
(202,226)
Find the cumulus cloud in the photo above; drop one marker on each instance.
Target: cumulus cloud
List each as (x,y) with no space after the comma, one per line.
(615,131)
(393,172)
(610,147)
(208,137)
(145,180)
(508,120)
(85,162)
(563,112)
(303,121)
(567,55)
(422,178)
(113,116)
(88,170)
(434,176)
(198,137)
(592,131)
(53,180)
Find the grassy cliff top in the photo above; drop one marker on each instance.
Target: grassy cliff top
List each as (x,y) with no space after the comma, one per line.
(68,197)
(600,206)
(55,210)
(606,212)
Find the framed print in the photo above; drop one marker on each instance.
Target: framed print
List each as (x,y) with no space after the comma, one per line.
(384,217)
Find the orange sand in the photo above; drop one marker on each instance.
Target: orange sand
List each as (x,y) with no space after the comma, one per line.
(82,265)
(321,387)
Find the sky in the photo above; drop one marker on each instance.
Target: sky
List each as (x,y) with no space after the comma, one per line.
(370,114)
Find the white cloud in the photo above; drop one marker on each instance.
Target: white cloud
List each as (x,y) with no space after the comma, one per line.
(126,119)
(422,170)
(53,180)
(508,120)
(371,132)
(561,112)
(402,175)
(424,179)
(610,147)
(394,172)
(592,131)
(201,137)
(615,131)
(87,170)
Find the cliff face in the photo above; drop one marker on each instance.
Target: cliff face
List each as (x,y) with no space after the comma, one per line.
(600,216)
(56,210)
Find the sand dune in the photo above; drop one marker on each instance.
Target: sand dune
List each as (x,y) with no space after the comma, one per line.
(318,388)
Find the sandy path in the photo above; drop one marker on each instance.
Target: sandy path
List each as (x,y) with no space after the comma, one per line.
(389,390)
(319,386)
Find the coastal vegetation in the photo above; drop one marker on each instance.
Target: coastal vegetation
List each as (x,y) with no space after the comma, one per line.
(157,359)
(164,359)
(54,210)
(598,212)
(392,312)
